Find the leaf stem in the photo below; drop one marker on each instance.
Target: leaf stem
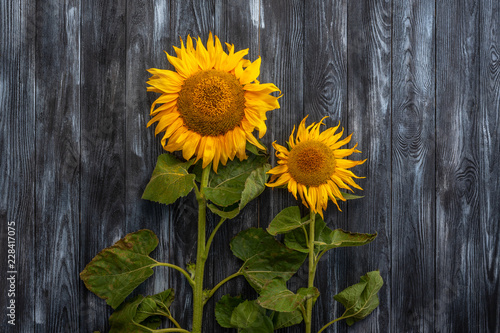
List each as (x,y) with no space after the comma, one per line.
(169,316)
(212,235)
(330,323)
(214,289)
(312,270)
(165,330)
(200,253)
(186,274)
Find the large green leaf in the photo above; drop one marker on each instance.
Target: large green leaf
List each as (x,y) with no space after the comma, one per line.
(248,317)
(287,220)
(117,270)
(286,319)
(254,149)
(360,299)
(326,238)
(226,187)
(121,321)
(141,311)
(224,310)
(255,184)
(152,304)
(264,257)
(226,306)
(276,296)
(170,180)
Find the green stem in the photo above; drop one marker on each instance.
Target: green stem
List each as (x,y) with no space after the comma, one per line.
(169,316)
(212,235)
(214,289)
(165,330)
(333,321)
(186,274)
(312,271)
(200,253)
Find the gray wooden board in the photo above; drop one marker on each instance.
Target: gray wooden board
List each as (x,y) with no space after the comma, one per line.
(413,166)
(17,200)
(57,160)
(417,82)
(325,94)
(369,118)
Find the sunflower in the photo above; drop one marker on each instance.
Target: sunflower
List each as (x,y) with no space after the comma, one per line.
(314,166)
(211,103)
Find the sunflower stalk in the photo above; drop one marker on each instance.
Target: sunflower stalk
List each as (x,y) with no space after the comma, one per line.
(201,255)
(312,270)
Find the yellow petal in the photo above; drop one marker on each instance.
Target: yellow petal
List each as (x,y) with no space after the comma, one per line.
(251,73)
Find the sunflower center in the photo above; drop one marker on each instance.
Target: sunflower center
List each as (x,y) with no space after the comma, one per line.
(211,102)
(311,163)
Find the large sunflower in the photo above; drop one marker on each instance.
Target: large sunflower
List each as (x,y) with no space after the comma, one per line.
(314,166)
(212,102)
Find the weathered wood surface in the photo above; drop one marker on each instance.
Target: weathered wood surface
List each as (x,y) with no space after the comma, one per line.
(418,82)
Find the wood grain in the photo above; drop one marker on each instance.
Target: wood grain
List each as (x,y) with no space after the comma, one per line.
(232,25)
(458,230)
(17,167)
(413,166)
(369,103)
(418,82)
(489,183)
(147,26)
(196,18)
(325,94)
(57,95)
(102,139)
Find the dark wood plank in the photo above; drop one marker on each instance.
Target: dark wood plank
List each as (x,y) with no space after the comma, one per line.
(460,285)
(282,51)
(325,94)
(196,19)
(413,167)
(102,141)
(148,25)
(17,167)
(57,96)
(489,183)
(369,98)
(236,22)
(282,64)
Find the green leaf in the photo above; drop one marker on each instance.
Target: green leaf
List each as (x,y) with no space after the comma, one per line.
(297,240)
(254,150)
(117,270)
(360,299)
(326,238)
(276,296)
(286,319)
(264,257)
(170,180)
(349,196)
(226,187)
(145,311)
(151,304)
(121,321)
(224,309)
(248,317)
(287,220)
(224,212)
(255,184)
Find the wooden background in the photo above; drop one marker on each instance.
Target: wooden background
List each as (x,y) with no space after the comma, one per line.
(418,82)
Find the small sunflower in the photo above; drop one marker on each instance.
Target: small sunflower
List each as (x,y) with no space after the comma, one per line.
(314,166)
(212,103)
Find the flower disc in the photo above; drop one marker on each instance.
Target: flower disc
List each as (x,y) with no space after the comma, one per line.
(314,166)
(211,103)
(311,163)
